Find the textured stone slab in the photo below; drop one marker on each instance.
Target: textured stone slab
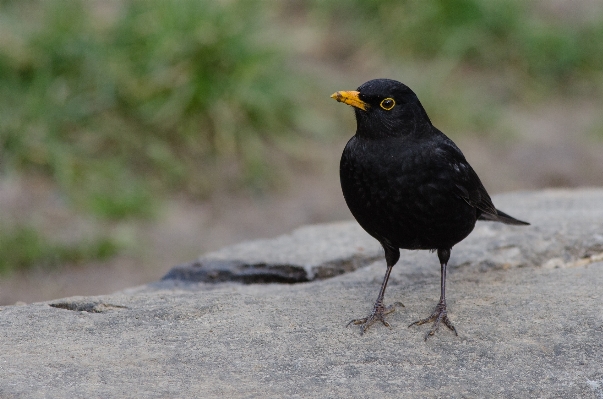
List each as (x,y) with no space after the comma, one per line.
(567,227)
(308,253)
(526,303)
(522,333)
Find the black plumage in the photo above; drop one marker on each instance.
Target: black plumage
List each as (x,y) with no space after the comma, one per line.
(408,185)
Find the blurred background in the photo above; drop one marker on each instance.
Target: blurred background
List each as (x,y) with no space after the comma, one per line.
(136,135)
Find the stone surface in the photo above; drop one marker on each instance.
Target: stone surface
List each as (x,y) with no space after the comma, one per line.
(564,230)
(526,301)
(308,253)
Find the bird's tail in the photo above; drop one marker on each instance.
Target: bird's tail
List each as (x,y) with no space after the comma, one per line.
(502,217)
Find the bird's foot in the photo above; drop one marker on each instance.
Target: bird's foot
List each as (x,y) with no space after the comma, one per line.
(378,313)
(439,315)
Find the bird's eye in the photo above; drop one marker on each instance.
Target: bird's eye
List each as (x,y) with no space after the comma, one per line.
(388,104)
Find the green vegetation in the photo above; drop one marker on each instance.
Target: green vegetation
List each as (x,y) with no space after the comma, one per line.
(525,44)
(121,103)
(24,248)
(117,109)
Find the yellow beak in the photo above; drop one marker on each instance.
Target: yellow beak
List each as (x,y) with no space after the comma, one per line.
(350,98)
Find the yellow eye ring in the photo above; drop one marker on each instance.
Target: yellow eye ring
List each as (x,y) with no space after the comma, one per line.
(387,103)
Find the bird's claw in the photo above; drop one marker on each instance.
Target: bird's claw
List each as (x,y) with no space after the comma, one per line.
(378,313)
(439,315)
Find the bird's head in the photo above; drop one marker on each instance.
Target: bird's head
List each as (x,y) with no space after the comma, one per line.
(384,108)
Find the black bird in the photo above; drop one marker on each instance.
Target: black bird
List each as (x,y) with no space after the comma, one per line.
(408,185)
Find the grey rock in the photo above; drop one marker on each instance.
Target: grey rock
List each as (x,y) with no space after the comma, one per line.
(564,231)
(308,253)
(529,317)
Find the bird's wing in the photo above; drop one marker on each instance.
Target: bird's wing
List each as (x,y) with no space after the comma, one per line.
(467,184)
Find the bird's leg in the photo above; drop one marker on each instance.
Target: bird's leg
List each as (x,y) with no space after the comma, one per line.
(440,313)
(379,310)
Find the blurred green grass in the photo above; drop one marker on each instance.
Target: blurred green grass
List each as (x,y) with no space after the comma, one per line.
(122,103)
(144,101)
(531,45)
(24,248)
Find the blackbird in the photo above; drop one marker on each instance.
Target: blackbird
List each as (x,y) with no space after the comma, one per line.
(408,185)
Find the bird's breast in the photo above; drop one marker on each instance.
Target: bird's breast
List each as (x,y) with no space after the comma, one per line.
(399,194)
